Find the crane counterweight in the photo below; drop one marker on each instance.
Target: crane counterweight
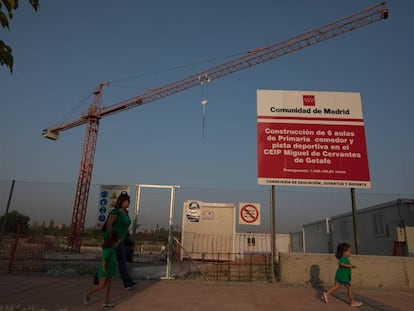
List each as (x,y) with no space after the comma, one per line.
(50,135)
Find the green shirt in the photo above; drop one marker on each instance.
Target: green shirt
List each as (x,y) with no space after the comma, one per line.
(343,274)
(121,223)
(109,255)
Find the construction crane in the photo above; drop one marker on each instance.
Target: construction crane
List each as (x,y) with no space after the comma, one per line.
(97,111)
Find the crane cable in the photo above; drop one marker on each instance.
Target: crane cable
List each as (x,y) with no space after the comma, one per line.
(204,80)
(115,83)
(70,113)
(146,74)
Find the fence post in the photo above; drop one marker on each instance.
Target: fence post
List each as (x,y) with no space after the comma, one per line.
(240,266)
(3,225)
(229,267)
(14,248)
(218,265)
(251,268)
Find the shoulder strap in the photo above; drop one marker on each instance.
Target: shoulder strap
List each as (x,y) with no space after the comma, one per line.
(116,212)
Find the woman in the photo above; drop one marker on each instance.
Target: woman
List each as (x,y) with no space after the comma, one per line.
(119,221)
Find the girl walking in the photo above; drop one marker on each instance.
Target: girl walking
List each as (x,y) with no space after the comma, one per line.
(343,274)
(106,270)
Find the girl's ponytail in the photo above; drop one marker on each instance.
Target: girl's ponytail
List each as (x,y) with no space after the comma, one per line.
(342,247)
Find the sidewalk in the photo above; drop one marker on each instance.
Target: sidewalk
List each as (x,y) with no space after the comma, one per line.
(59,293)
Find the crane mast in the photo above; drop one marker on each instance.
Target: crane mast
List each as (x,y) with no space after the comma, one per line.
(85,170)
(253,57)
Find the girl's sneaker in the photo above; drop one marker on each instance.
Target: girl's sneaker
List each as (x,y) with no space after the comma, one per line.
(85,298)
(356,304)
(324,297)
(108,304)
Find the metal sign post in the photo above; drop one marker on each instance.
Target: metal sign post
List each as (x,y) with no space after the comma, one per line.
(354,219)
(273,230)
(170,222)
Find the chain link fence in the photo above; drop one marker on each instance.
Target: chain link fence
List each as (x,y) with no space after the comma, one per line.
(22,252)
(243,254)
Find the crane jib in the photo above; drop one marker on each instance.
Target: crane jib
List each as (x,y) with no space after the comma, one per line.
(260,55)
(251,58)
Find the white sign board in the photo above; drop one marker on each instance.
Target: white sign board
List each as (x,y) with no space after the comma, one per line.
(107,198)
(308,138)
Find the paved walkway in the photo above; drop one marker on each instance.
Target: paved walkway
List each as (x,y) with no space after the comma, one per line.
(60,293)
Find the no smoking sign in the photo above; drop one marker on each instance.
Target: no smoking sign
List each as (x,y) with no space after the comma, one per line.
(249,214)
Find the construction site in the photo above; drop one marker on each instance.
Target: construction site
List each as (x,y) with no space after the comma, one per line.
(200,234)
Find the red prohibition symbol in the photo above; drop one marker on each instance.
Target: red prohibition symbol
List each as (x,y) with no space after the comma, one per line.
(249,213)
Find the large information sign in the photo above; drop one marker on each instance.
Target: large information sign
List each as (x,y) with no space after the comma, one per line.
(311,139)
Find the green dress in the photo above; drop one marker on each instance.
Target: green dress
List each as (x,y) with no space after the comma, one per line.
(343,274)
(121,224)
(109,255)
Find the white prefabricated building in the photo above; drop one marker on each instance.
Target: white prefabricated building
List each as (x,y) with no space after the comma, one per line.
(254,243)
(384,229)
(209,233)
(208,230)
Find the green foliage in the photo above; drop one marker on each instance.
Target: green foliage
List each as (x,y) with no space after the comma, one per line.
(6,13)
(36,230)
(158,235)
(6,57)
(12,220)
(92,233)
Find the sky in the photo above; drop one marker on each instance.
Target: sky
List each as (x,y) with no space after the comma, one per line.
(63,51)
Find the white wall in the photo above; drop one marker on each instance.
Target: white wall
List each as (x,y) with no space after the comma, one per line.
(372,271)
(262,243)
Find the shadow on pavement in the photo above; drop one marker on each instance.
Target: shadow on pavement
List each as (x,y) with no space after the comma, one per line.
(60,293)
(315,281)
(367,304)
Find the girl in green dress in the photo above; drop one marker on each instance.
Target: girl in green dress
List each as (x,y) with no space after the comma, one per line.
(106,269)
(343,274)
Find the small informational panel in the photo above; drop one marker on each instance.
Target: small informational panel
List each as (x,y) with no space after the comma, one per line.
(107,198)
(249,214)
(308,138)
(193,211)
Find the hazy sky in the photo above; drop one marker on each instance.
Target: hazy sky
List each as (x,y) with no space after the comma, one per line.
(62,52)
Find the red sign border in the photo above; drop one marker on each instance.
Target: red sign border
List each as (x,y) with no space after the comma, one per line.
(244,207)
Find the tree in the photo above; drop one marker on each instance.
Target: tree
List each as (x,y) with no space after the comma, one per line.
(12,220)
(6,56)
